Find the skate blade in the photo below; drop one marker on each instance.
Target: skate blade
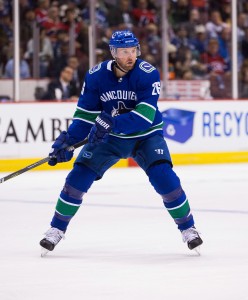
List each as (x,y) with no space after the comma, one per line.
(197,250)
(44,252)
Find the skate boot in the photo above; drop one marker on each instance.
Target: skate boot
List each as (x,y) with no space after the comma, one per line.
(51,239)
(192,237)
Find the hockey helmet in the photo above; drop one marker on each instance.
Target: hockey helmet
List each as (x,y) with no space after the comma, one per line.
(123,39)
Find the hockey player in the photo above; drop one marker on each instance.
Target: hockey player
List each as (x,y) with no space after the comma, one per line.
(117,110)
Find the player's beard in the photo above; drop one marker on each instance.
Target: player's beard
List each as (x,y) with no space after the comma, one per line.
(128,65)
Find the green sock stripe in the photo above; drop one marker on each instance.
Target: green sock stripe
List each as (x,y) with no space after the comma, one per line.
(180,211)
(66,209)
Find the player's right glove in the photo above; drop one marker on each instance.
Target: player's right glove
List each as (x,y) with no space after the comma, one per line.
(100,131)
(59,153)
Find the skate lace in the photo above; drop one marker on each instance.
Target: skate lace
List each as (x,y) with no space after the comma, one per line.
(54,235)
(190,234)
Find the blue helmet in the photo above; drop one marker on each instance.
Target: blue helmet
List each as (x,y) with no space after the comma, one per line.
(123,39)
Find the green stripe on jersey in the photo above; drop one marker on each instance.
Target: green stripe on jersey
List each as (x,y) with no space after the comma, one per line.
(66,208)
(146,110)
(139,133)
(85,115)
(179,211)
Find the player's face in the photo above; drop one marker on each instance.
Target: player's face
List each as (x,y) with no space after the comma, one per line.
(126,57)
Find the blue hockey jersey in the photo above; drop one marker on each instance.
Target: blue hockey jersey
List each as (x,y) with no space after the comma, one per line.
(131,99)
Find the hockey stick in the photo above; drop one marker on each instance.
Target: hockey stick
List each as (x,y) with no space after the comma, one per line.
(40,162)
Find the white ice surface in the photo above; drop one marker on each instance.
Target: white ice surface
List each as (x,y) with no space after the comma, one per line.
(122,244)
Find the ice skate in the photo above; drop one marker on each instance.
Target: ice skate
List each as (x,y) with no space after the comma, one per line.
(51,239)
(193,239)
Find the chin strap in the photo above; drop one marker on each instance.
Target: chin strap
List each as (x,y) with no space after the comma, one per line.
(118,67)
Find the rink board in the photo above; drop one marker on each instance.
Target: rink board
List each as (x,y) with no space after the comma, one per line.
(197,132)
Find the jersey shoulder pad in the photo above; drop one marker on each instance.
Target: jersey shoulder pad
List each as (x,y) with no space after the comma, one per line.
(98,69)
(146,73)
(95,75)
(146,67)
(95,68)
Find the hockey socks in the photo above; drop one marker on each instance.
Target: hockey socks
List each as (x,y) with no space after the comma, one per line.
(167,184)
(77,184)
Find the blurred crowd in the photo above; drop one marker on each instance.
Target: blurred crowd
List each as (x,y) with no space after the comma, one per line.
(199,39)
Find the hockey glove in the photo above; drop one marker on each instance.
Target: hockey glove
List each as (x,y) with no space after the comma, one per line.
(100,131)
(58,152)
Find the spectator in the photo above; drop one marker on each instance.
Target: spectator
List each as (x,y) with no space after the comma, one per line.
(242,24)
(217,70)
(215,63)
(144,49)
(71,5)
(194,20)
(202,7)
(154,42)
(82,40)
(45,52)
(180,12)
(199,42)
(6,25)
(215,25)
(243,6)
(243,81)
(26,26)
(53,23)
(199,4)
(100,15)
(24,5)
(60,61)
(62,38)
(24,68)
(99,56)
(71,20)
(103,44)
(5,38)
(181,39)
(224,41)
(78,74)
(63,88)
(143,15)
(5,8)
(122,17)
(226,10)
(41,12)
(187,64)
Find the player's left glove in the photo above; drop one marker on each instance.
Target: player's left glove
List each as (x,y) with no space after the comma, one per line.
(100,131)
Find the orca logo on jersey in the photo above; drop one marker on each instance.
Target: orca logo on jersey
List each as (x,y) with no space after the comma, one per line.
(121,109)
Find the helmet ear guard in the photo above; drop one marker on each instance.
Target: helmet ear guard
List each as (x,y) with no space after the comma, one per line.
(123,39)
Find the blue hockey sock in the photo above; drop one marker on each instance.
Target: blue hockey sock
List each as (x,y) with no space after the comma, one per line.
(167,184)
(77,184)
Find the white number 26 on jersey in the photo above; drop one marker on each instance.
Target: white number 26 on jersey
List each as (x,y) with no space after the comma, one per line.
(156,88)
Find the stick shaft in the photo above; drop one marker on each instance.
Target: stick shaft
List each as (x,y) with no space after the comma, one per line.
(40,162)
